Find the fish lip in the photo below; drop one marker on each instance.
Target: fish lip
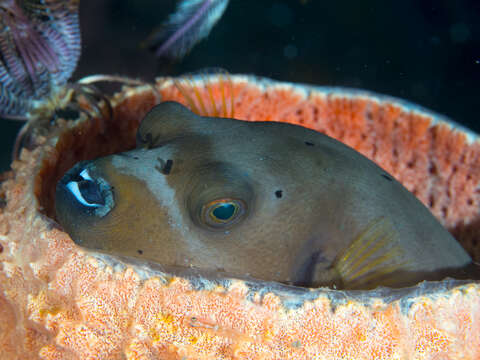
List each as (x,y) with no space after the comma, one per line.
(69,174)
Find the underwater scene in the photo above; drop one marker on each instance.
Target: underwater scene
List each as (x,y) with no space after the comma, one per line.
(423,51)
(235,179)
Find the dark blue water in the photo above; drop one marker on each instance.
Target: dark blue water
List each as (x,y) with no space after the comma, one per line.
(427,52)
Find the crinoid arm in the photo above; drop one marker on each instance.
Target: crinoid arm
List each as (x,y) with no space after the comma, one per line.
(110,78)
(79,97)
(192,21)
(119,79)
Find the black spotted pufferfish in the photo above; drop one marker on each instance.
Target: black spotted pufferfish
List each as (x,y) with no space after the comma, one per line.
(267,200)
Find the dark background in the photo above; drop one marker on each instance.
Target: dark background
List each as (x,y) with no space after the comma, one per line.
(427,51)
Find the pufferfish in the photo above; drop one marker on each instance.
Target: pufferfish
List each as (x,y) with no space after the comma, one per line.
(264,200)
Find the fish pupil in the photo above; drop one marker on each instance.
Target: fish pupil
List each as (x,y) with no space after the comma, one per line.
(224,211)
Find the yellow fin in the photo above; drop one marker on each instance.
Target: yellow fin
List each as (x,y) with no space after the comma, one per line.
(372,258)
(208,92)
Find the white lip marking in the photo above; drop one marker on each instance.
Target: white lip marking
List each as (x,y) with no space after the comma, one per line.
(73,187)
(86,175)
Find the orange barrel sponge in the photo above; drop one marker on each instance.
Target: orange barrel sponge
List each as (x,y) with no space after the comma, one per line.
(60,301)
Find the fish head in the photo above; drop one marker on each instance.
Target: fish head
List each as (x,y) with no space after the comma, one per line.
(211,193)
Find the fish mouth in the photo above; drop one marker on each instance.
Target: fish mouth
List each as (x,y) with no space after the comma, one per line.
(88,193)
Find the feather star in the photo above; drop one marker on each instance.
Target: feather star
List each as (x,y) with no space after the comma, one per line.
(192,21)
(39,50)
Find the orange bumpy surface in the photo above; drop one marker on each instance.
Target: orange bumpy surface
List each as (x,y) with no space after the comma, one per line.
(58,301)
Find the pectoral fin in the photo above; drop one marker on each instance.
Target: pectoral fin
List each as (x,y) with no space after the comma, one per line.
(371,259)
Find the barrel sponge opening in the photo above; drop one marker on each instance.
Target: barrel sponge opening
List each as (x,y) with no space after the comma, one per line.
(58,300)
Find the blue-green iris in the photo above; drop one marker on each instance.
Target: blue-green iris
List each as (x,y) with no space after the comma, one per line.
(224,211)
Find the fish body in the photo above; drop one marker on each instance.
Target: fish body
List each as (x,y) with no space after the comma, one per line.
(269,200)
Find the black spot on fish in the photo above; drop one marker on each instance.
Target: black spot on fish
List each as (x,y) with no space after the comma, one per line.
(147,140)
(140,251)
(278,193)
(388,177)
(168,167)
(308,143)
(135,157)
(165,166)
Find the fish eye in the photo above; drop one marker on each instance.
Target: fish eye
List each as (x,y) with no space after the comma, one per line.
(221,213)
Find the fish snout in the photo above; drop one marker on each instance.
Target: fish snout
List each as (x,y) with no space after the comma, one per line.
(82,195)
